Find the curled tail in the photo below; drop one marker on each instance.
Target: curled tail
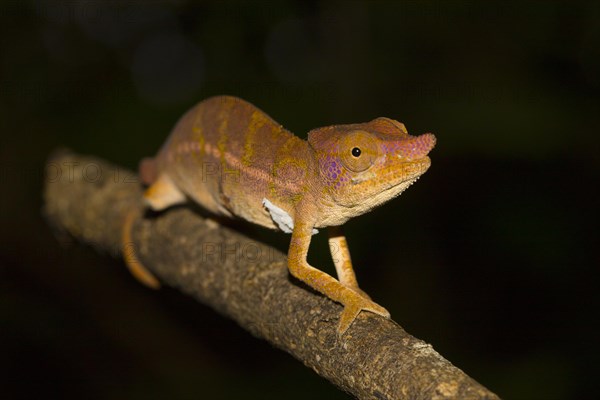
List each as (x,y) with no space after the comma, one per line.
(133,263)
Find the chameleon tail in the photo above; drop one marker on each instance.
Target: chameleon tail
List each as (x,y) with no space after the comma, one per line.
(133,263)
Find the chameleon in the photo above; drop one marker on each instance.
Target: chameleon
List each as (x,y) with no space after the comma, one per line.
(235,161)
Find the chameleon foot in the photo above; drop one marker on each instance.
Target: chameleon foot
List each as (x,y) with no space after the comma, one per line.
(353,305)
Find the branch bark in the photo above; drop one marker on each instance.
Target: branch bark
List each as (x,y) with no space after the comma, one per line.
(248,282)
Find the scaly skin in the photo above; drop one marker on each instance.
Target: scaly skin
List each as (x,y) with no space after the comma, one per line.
(234,160)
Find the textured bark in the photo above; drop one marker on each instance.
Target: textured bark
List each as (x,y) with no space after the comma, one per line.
(248,282)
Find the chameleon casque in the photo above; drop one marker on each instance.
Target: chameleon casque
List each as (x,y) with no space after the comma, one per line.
(234,160)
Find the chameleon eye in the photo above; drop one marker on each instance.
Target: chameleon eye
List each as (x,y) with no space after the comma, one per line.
(358,151)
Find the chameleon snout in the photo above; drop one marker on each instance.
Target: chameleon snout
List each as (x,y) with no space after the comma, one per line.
(416,147)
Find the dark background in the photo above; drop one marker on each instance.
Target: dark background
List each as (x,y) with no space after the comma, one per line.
(492,257)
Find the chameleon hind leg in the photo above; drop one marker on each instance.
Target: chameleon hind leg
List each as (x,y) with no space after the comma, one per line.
(160,195)
(353,301)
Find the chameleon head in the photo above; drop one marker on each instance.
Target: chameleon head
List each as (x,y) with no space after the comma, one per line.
(364,165)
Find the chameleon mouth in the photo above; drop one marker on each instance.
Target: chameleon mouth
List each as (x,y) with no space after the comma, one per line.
(410,170)
(396,189)
(401,173)
(398,183)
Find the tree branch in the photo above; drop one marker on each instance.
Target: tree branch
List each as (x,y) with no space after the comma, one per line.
(249,282)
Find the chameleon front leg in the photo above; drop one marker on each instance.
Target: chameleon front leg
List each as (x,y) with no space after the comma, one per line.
(352,300)
(340,254)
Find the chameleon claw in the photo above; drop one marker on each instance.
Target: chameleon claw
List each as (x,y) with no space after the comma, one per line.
(353,306)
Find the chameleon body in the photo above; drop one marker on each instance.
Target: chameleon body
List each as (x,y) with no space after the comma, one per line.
(234,160)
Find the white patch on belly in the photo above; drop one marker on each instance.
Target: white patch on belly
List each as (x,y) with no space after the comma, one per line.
(283,220)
